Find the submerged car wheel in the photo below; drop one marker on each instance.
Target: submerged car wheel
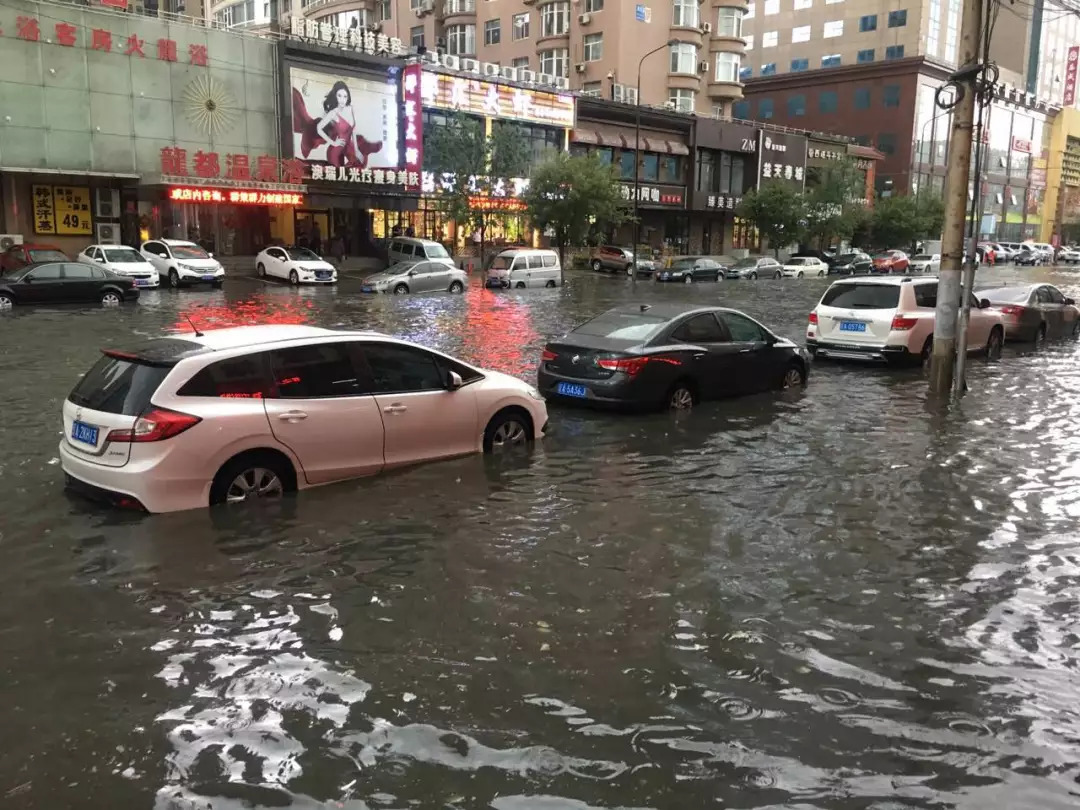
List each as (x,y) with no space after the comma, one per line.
(753,276)
(252,476)
(551,283)
(596,265)
(401,289)
(681,397)
(995,343)
(261,270)
(294,278)
(688,280)
(778,274)
(799,275)
(507,429)
(6,302)
(1040,336)
(794,377)
(456,287)
(111,298)
(174,279)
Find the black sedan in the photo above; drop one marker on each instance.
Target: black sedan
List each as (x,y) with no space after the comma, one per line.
(851,264)
(687,269)
(64,283)
(668,356)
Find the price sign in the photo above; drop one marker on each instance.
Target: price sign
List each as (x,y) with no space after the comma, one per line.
(72,206)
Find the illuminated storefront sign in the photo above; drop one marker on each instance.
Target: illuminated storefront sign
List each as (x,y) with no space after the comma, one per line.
(70,35)
(349,39)
(725,202)
(234,196)
(411,81)
(478,97)
(447,183)
(653,195)
(496,204)
(208,166)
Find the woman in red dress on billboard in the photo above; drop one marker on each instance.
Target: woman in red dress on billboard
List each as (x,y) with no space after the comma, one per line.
(337,128)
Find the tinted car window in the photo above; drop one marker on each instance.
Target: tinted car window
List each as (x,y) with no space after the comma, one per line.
(926,296)
(549,261)
(401,369)
(702,328)
(314,372)
(123,256)
(1043,295)
(1015,295)
(405,249)
(118,386)
(154,247)
(862,296)
(742,329)
(622,326)
(1055,295)
(50,272)
(77,272)
(236,378)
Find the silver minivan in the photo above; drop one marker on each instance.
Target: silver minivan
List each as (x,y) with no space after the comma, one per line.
(409,249)
(523,267)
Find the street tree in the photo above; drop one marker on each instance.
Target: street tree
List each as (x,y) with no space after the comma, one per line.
(471,166)
(899,221)
(569,195)
(836,206)
(778,211)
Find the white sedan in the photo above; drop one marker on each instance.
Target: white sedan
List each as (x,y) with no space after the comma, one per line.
(123,261)
(925,263)
(297,264)
(799,266)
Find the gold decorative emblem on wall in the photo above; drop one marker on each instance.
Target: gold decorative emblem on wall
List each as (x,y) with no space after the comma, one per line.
(209,105)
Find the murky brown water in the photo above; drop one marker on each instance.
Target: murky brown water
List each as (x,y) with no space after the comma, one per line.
(847,598)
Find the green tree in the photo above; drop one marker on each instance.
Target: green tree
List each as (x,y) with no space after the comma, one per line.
(778,211)
(569,195)
(469,164)
(899,221)
(836,206)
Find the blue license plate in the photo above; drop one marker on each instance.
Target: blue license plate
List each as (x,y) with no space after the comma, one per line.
(142,282)
(664,275)
(367,288)
(322,274)
(571,390)
(82,432)
(209,278)
(852,326)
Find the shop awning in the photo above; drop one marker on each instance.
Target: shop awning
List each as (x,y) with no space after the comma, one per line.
(677,148)
(585,136)
(612,139)
(858,150)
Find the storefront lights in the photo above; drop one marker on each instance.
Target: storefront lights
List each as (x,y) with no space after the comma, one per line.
(234,196)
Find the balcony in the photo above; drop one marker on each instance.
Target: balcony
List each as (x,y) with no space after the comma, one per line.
(724,91)
(458,11)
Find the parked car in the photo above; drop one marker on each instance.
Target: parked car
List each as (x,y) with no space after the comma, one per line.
(1029,255)
(183,263)
(416,277)
(64,283)
(925,263)
(1009,251)
(410,249)
(1069,255)
(752,267)
(1035,312)
(851,264)
(688,269)
(615,259)
(668,356)
(523,267)
(800,266)
(297,264)
(18,256)
(123,261)
(891,261)
(230,415)
(891,320)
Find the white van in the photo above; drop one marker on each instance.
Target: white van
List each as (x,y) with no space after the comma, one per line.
(523,267)
(409,249)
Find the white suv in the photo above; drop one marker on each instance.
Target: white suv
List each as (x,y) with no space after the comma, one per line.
(183,263)
(258,411)
(890,319)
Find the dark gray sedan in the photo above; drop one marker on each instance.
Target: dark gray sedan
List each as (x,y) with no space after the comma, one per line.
(688,269)
(754,267)
(1035,312)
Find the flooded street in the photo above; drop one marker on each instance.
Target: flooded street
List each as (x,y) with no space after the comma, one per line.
(847,597)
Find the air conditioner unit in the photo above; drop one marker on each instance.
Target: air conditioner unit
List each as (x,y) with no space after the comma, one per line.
(631,95)
(108,233)
(584,19)
(703,67)
(580,67)
(562,82)
(618,92)
(669,105)
(706,28)
(545,78)
(8,240)
(509,73)
(426,7)
(107,203)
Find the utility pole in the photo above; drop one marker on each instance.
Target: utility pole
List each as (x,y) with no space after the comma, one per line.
(943,359)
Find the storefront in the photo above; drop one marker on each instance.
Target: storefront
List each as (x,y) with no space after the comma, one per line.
(824,156)
(725,168)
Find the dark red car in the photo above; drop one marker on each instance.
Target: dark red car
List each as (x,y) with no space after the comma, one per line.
(18,256)
(891,261)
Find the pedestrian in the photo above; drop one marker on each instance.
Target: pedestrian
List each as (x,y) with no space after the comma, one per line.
(316,239)
(991,256)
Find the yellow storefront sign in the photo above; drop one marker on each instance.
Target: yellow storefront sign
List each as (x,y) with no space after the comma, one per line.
(62,210)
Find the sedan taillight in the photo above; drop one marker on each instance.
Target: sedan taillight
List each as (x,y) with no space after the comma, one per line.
(154,426)
(1012,311)
(632,366)
(548,356)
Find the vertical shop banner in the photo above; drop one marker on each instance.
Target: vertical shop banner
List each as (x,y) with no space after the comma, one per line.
(44,212)
(1070,76)
(72,206)
(411,82)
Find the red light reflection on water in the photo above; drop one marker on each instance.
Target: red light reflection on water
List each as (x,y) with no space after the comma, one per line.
(499,334)
(276,311)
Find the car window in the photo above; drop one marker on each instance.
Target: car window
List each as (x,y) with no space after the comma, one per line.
(49,272)
(114,385)
(742,329)
(549,260)
(437,251)
(1043,295)
(926,296)
(77,272)
(703,328)
(405,249)
(422,268)
(155,247)
(98,273)
(401,369)
(862,296)
(535,262)
(1055,295)
(499,262)
(314,372)
(973,301)
(709,264)
(243,377)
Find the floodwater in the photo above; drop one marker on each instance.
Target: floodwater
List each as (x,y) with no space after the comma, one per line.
(849,597)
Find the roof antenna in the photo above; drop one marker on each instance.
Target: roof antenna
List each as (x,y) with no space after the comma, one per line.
(194,328)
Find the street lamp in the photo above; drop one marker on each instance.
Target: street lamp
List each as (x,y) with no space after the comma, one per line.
(637,153)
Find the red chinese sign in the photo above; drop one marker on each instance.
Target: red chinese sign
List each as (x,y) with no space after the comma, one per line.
(1021,145)
(496,204)
(68,35)
(207,165)
(1070,76)
(411,104)
(234,196)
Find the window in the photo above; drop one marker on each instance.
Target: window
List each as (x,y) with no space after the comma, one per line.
(854,295)
(520,26)
(862,98)
(594,47)
(626,165)
(671,169)
(765,109)
(898,19)
(741,109)
(749,12)
(314,372)
(745,73)
(402,369)
(886,142)
(685,13)
(650,167)
(864,56)
(416,36)
(831,60)
(50,272)
(868,22)
(492,32)
(729,22)
(768,69)
(769,39)
(749,40)
(77,272)
(699,329)
(683,99)
(520,63)
(727,67)
(244,377)
(742,329)
(894,52)
(461,40)
(555,19)
(771,7)
(383,10)
(800,64)
(460,6)
(833,28)
(796,105)
(556,62)
(592,6)
(592,89)
(684,57)
(890,95)
(800,33)
(119,386)
(828,101)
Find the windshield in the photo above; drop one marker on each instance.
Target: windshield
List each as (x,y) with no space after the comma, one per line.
(682,264)
(46,255)
(622,326)
(123,256)
(302,255)
(499,262)
(749,261)
(436,251)
(848,257)
(798,260)
(923,257)
(862,296)
(399,268)
(1011,295)
(189,252)
(883,256)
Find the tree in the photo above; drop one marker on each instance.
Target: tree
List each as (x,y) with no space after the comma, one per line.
(469,165)
(836,205)
(569,194)
(901,220)
(778,211)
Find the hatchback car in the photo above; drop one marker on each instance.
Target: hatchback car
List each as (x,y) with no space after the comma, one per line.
(688,269)
(853,263)
(1069,255)
(64,283)
(891,320)
(123,261)
(183,263)
(753,267)
(415,277)
(18,256)
(891,261)
(296,264)
(801,266)
(1035,312)
(259,411)
(612,259)
(668,356)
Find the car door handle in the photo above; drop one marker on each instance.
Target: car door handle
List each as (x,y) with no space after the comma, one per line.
(698,355)
(292,416)
(397,407)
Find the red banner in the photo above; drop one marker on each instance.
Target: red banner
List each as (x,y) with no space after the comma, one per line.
(1070,76)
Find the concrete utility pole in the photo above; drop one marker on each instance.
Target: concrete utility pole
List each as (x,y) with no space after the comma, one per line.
(943,360)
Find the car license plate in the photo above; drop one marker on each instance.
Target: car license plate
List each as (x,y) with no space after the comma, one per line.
(367,288)
(322,274)
(209,278)
(571,390)
(852,326)
(82,432)
(142,282)
(664,275)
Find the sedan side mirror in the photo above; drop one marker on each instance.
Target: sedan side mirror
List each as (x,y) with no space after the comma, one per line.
(99,260)
(453,381)
(211,255)
(984,303)
(1070,301)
